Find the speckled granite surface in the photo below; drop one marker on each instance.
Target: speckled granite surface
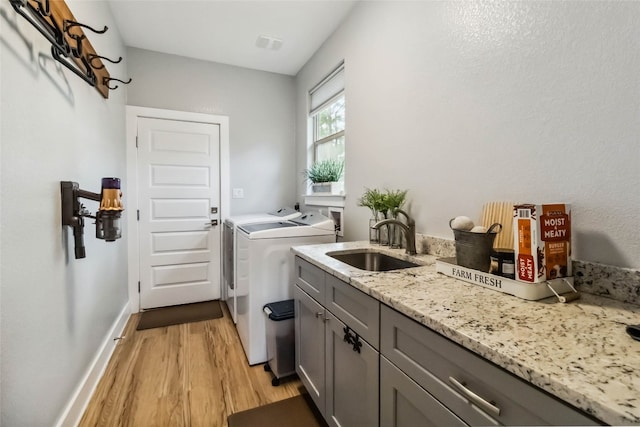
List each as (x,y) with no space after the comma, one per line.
(621,284)
(578,352)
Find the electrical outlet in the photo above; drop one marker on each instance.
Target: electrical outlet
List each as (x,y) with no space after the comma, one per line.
(237,193)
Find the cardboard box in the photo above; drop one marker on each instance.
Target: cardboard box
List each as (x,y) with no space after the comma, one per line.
(542,241)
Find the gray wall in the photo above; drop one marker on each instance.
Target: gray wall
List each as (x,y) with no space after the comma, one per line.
(55,310)
(463,103)
(260,107)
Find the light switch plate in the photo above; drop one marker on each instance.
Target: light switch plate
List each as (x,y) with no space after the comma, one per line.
(237,193)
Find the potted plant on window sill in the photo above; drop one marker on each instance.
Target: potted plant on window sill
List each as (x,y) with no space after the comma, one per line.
(324,177)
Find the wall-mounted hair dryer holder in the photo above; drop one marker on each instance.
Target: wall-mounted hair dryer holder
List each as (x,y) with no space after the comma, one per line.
(107,217)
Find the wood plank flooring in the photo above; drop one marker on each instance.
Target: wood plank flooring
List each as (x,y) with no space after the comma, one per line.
(193,374)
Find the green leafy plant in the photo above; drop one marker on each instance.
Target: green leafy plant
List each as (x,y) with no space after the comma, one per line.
(372,199)
(325,171)
(394,199)
(382,202)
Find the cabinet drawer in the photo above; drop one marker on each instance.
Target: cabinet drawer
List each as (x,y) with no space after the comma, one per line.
(310,279)
(355,308)
(436,363)
(403,403)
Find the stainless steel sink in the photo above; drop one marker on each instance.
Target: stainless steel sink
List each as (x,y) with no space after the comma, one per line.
(372,261)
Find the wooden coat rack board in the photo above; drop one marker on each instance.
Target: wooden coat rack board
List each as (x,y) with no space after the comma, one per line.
(69,44)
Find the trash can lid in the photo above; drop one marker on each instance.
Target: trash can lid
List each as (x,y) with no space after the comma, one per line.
(281,310)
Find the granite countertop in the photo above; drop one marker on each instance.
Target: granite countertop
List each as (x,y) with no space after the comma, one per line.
(578,351)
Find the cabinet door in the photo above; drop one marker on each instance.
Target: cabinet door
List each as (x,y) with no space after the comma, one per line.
(310,345)
(351,379)
(355,308)
(403,403)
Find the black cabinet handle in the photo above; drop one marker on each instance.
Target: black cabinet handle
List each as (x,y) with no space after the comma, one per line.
(352,339)
(357,344)
(347,335)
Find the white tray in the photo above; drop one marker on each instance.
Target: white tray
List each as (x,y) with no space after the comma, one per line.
(528,291)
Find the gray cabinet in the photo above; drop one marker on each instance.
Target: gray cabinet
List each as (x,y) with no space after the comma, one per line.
(336,363)
(477,391)
(403,403)
(310,279)
(399,372)
(355,308)
(351,378)
(309,344)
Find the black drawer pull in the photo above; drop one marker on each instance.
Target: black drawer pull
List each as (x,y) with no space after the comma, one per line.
(352,339)
(474,398)
(347,335)
(357,344)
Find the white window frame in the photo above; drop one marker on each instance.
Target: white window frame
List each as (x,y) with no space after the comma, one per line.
(323,94)
(314,123)
(330,88)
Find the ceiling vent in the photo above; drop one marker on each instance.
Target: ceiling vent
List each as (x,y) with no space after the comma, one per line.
(268,42)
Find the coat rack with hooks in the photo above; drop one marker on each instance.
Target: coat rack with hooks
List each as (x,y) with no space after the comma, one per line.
(69,43)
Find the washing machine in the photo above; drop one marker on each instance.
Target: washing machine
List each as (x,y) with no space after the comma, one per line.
(229,232)
(265,272)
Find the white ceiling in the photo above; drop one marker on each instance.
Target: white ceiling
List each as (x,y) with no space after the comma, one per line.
(226,31)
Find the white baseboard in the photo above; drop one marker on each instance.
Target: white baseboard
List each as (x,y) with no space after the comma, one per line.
(72,413)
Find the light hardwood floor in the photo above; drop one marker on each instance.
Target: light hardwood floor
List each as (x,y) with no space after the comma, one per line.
(194,374)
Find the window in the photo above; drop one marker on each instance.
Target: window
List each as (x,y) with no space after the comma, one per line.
(327,112)
(328,132)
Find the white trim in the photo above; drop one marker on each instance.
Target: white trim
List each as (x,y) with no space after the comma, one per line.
(72,413)
(322,200)
(132,114)
(340,217)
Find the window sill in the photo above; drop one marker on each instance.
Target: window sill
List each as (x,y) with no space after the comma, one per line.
(336,200)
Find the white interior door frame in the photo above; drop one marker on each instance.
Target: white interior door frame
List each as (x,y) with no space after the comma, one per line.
(131,188)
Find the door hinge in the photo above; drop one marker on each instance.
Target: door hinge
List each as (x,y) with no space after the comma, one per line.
(138,214)
(138,286)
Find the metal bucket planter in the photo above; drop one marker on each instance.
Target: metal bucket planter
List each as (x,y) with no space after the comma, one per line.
(473,250)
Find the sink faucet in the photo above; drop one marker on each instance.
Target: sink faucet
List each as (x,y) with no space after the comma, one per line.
(409,230)
(409,220)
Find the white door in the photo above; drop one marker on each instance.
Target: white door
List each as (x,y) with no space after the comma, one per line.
(179,200)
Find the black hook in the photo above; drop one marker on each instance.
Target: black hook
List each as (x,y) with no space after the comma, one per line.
(91,57)
(48,29)
(106,80)
(66,25)
(88,76)
(77,51)
(44,10)
(69,24)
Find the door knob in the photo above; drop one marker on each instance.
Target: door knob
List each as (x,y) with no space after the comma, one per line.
(212,223)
